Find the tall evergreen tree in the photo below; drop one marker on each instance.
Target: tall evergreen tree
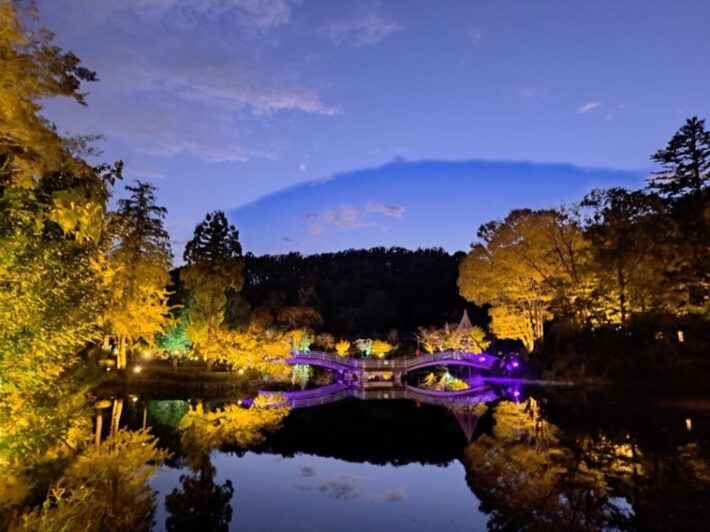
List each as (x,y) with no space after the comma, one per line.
(212,274)
(139,265)
(685,161)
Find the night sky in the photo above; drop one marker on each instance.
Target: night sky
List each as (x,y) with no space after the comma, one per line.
(221,103)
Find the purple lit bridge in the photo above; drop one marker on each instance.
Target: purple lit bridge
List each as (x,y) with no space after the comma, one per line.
(368,372)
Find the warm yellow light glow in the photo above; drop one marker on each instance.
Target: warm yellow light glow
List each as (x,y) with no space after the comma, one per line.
(137,369)
(689,424)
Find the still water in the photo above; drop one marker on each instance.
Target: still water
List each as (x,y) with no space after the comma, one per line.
(558,458)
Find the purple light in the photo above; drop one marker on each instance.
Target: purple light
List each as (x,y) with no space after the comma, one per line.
(482,358)
(515,364)
(516,393)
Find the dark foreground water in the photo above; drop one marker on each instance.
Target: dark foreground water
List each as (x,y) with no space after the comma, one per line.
(549,459)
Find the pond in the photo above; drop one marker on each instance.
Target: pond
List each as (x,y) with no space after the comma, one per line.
(546,458)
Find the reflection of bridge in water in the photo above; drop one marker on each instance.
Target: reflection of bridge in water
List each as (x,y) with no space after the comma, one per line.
(369,372)
(339,391)
(461,403)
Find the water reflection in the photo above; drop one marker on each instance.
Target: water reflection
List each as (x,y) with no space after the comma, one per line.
(552,460)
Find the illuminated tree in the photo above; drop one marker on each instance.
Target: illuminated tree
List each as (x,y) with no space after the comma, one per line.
(175,338)
(51,207)
(139,264)
(380,348)
(301,373)
(213,270)
(627,257)
(342,348)
(512,323)
(524,264)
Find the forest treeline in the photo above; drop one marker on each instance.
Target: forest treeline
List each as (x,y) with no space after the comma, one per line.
(353,293)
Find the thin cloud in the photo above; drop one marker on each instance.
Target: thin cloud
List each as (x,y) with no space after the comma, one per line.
(533,91)
(343,488)
(349,217)
(589,106)
(393,495)
(389,210)
(476,34)
(140,171)
(221,79)
(314,229)
(366,27)
(307,471)
(345,217)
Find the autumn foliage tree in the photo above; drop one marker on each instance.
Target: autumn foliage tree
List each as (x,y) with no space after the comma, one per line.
(213,271)
(52,204)
(521,265)
(137,273)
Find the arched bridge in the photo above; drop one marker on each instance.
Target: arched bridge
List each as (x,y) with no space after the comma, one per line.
(402,366)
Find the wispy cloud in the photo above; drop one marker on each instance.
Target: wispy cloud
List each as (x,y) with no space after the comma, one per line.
(476,34)
(307,471)
(346,488)
(139,171)
(589,106)
(393,495)
(389,210)
(351,216)
(342,487)
(533,91)
(185,77)
(365,27)
(345,217)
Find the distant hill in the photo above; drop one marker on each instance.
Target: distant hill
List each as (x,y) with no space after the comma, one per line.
(412,204)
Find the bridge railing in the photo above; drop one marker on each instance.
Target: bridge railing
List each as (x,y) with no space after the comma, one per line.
(481,360)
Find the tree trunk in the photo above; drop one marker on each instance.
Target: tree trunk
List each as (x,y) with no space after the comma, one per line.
(116,415)
(622,295)
(121,356)
(99,426)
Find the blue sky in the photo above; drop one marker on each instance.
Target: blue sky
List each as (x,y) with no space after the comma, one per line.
(222,102)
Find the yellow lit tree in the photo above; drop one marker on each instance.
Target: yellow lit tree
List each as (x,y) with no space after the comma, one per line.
(138,266)
(514,324)
(213,271)
(51,207)
(524,264)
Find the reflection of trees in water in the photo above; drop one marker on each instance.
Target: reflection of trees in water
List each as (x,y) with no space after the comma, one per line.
(105,488)
(203,430)
(526,480)
(201,504)
(529,475)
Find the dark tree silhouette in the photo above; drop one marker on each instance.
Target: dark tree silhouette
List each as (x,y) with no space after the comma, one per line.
(685,161)
(201,504)
(214,240)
